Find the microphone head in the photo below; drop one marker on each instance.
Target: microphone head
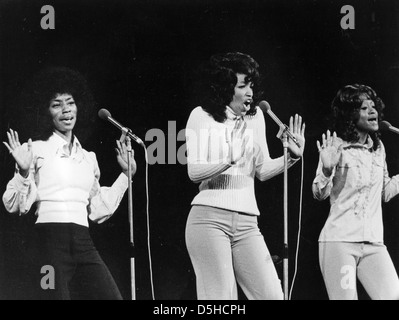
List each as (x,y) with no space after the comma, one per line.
(104,114)
(384,125)
(264,106)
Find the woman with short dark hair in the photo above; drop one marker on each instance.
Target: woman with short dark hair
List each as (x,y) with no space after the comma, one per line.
(61,178)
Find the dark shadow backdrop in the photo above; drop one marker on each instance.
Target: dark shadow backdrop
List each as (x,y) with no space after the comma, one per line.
(140,58)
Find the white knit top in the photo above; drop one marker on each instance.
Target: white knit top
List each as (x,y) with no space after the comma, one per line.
(65,186)
(223,185)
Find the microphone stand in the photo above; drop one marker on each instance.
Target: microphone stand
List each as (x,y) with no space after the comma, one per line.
(125,136)
(285,249)
(283,135)
(130,210)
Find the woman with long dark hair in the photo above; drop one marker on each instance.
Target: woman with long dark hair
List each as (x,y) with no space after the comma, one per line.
(227,149)
(353,173)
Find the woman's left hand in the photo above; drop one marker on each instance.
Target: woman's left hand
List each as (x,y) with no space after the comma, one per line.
(122,156)
(297,128)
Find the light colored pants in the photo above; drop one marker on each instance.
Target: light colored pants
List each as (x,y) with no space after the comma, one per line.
(225,247)
(342,263)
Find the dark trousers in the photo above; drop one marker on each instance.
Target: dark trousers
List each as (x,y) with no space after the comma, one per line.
(68,266)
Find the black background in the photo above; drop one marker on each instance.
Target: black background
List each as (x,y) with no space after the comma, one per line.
(140,58)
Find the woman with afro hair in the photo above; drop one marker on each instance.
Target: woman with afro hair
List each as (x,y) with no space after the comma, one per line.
(57,175)
(352,171)
(226,150)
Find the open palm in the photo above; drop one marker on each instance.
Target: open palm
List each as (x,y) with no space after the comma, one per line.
(330,151)
(22,156)
(122,156)
(298,130)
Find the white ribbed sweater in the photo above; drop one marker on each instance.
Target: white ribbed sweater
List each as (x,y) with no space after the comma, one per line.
(223,185)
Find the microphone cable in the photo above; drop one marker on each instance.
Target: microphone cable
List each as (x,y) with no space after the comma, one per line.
(148,222)
(299,230)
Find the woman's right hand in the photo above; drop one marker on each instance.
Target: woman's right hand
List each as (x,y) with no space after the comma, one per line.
(330,152)
(23,157)
(236,141)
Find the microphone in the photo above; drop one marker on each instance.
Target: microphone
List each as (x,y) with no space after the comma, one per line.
(386,126)
(265,107)
(106,115)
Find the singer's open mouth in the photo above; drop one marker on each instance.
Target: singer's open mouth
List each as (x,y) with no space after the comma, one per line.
(67,120)
(247,104)
(373,120)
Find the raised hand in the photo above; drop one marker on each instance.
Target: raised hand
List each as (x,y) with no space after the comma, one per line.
(122,156)
(22,156)
(236,141)
(330,152)
(297,128)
